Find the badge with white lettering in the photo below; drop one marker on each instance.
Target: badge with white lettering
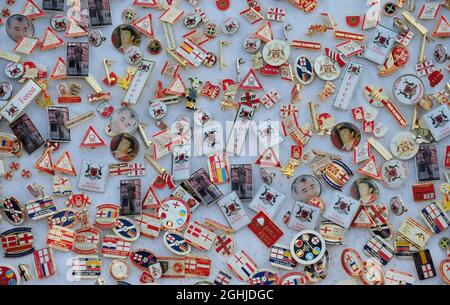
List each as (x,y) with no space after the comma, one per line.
(20,101)
(348,85)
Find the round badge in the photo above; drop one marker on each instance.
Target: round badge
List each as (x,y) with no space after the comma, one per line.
(18,26)
(13,210)
(305,187)
(157,110)
(372,274)
(143,258)
(276,52)
(59,22)
(124,120)
(154,46)
(125,228)
(351,262)
(397,206)
(404,146)
(124,147)
(394,173)
(345,136)
(14,70)
(230,26)
(202,117)
(307,247)
(210,60)
(119,269)
(440,53)
(408,89)
(211,30)
(8,275)
(174,214)
(444,270)
(125,36)
(251,44)
(444,243)
(224,245)
(365,190)
(400,54)
(192,20)
(95,37)
(6,90)
(326,69)
(129,15)
(389,9)
(294,278)
(223,5)
(263,277)
(304,70)
(175,242)
(134,55)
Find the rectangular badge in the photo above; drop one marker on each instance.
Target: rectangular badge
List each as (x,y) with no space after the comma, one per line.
(341,209)
(265,229)
(93,176)
(242,122)
(139,81)
(303,216)
(204,188)
(268,200)
(348,85)
(438,122)
(234,211)
(414,233)
(427,163)
(381,44)
(242,180)
(181,169)
(424,192)
(435,217)
(20,101)
(380,249)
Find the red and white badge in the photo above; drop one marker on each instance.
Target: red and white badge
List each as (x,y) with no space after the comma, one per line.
(195,266)
(242,265)
(44,263)
(265,229)
(148,224)
(60,238)
(424,192)
(115,247)
(224,245)
(199,236)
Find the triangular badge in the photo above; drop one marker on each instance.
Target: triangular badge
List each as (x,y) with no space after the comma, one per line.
(265,32)
(362,219)
(44,164)
(51,40)
(177,86)
(31,10)
(251,82)
(370,169)
(74,30)
(92,139)
(64,165)
(442,28)
(59,71)
(268,159)
(145,26)
(146,3)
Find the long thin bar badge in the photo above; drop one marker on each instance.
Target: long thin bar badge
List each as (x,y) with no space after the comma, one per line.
(348,85)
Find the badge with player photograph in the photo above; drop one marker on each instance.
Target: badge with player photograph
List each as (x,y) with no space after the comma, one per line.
(99,12)
(427,163)
(205,189)
(130,197)
(27,133)
(93,176)
(53,5)
(242,180)
(57,118)
(77,59)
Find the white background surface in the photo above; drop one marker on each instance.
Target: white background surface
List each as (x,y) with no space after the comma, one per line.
(244,239)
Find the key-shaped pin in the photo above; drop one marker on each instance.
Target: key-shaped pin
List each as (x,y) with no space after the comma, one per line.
(222,63)
(239,62)
(378,98)
(144,138)
(286,28)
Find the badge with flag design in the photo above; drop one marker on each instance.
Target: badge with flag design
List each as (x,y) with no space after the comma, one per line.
(397,277)
(44,263)
(280,257)
(136,169)
(435,217)
(222,278)
(115,247)
(380,249)
(148,224)
(86,267)
(60,238)
(224,245)
(264,277)
(64,217)
(118,169)
(146,3)
(172,266)
(332,233)
(424,264)
(40,207)
(106,216)
(196,266)
(219,170)
(143,258)
(86,241)
(17,242)
(242,265)
(199,236)
(193,53)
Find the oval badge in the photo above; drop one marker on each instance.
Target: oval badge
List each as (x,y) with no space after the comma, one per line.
(64,218)
(9,275)
(176,243)
(126,229)
(304,70)
(444,270)
(351,262)
(106,216)
(17,242)
(13,210)
(143,258)
(174,214)
(332,233)
(307,247)
(86,241)
(224,245)
(264,277)
(372,274)
(294,278)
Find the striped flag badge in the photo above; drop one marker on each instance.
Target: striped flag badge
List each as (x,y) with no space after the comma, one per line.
(149,224)
(191,52)
(40,208)
(106,216)
(396,277)
(379,249)
(60,238)
(115,247)
(435,217)
(222,278)
(86,267)
(219,169)
(196,266)
(44,263)
(281,257)
(17,242)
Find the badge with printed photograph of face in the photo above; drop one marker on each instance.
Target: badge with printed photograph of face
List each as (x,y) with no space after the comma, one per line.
(123,120)
(18,26)
(124,147)
(345,136)
(305,187)
(365,190)
(125,36)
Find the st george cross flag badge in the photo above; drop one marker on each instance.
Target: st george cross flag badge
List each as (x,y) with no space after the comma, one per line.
(193,53)
(44,263)
(17,242)
(435,217)
(115,247)
(196,266)
(222,278)
(380,249)
(149,224)
(280,256)
(242,265)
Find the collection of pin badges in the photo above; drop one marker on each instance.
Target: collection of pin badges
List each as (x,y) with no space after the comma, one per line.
(317,225)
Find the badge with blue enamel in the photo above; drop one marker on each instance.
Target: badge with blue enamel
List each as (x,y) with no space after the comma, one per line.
(126,229)
(176,243)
